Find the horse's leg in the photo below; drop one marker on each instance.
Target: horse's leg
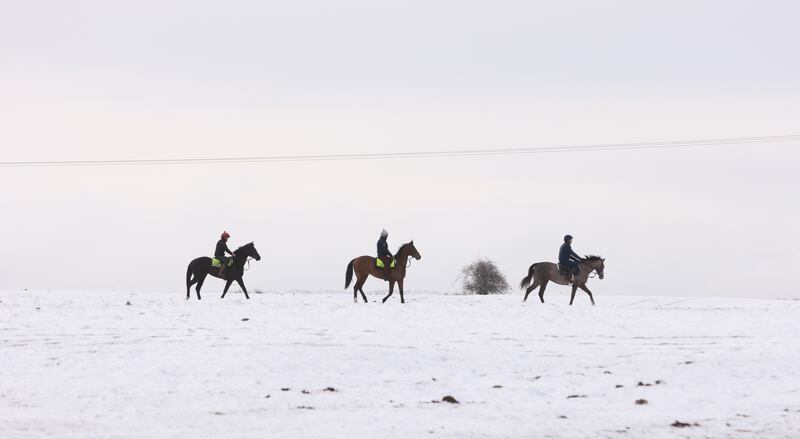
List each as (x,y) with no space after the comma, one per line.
(572,297)
(360,288)
(400,287)
(583,287)
(200,285)
(541,290)
(241,284)
(530,288)
(227,285)
(391,291)
(189,287)
(355,290)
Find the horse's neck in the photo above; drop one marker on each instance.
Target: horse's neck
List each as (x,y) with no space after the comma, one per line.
(238,260)
(402,253)
(402,256)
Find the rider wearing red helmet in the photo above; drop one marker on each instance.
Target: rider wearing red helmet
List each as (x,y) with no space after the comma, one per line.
(221,250)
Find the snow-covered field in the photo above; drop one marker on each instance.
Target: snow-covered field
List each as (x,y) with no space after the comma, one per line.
(87,365)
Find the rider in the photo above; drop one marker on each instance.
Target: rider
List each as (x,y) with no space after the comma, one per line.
(383,249)
(221,250)
(569,258)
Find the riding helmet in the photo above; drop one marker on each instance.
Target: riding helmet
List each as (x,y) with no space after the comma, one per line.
(225,235)
(384,232)
(567,238)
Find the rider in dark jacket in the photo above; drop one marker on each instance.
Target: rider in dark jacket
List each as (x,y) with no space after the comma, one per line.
(569,258)
(383,246)
(384,254)
(221,250)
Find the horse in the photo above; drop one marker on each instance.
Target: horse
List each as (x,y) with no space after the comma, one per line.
(364,266)
(201,267)
(544,272)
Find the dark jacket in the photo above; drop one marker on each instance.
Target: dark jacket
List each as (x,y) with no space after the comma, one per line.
(222,248)
(383,248)
(566,255)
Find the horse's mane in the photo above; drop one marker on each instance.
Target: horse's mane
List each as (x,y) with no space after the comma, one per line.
(593,258)
(244,246)
(402,247)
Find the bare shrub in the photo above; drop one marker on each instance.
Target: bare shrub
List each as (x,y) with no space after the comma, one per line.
(483,277)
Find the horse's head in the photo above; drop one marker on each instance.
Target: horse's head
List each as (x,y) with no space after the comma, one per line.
(598,264)
(409,250)
(249,251)
(414,251)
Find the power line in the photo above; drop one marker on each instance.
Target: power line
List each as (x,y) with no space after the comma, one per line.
(696,143)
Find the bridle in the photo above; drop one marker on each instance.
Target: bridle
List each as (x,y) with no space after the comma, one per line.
(409,258)
(593,274)
(246,261)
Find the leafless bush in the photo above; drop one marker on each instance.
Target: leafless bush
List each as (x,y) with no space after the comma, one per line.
(483,277)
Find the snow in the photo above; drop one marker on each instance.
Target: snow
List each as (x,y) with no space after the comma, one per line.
(86,365)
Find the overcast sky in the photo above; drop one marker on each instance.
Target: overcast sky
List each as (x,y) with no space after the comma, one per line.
(173,79)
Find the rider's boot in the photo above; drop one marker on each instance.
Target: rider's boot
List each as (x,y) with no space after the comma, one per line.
(385,268)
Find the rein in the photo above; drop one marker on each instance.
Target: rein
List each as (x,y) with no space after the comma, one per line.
(593,273)
(408,258)
(246,261)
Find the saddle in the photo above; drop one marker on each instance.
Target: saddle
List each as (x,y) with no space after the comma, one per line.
(380,262)
(564,270)
(217,264)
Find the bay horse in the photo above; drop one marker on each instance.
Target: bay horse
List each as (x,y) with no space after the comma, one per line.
(201,267)
(544,272)
(364,266)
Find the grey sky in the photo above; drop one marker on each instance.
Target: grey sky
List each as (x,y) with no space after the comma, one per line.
(106,80)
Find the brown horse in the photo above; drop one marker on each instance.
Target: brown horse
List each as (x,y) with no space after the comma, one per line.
(364,266)
(544,272)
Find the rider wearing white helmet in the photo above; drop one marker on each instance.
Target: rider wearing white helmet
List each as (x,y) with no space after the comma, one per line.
(383,246)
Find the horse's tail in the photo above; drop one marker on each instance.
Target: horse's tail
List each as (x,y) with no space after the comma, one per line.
(526,281)
(188,276)
(348,276)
